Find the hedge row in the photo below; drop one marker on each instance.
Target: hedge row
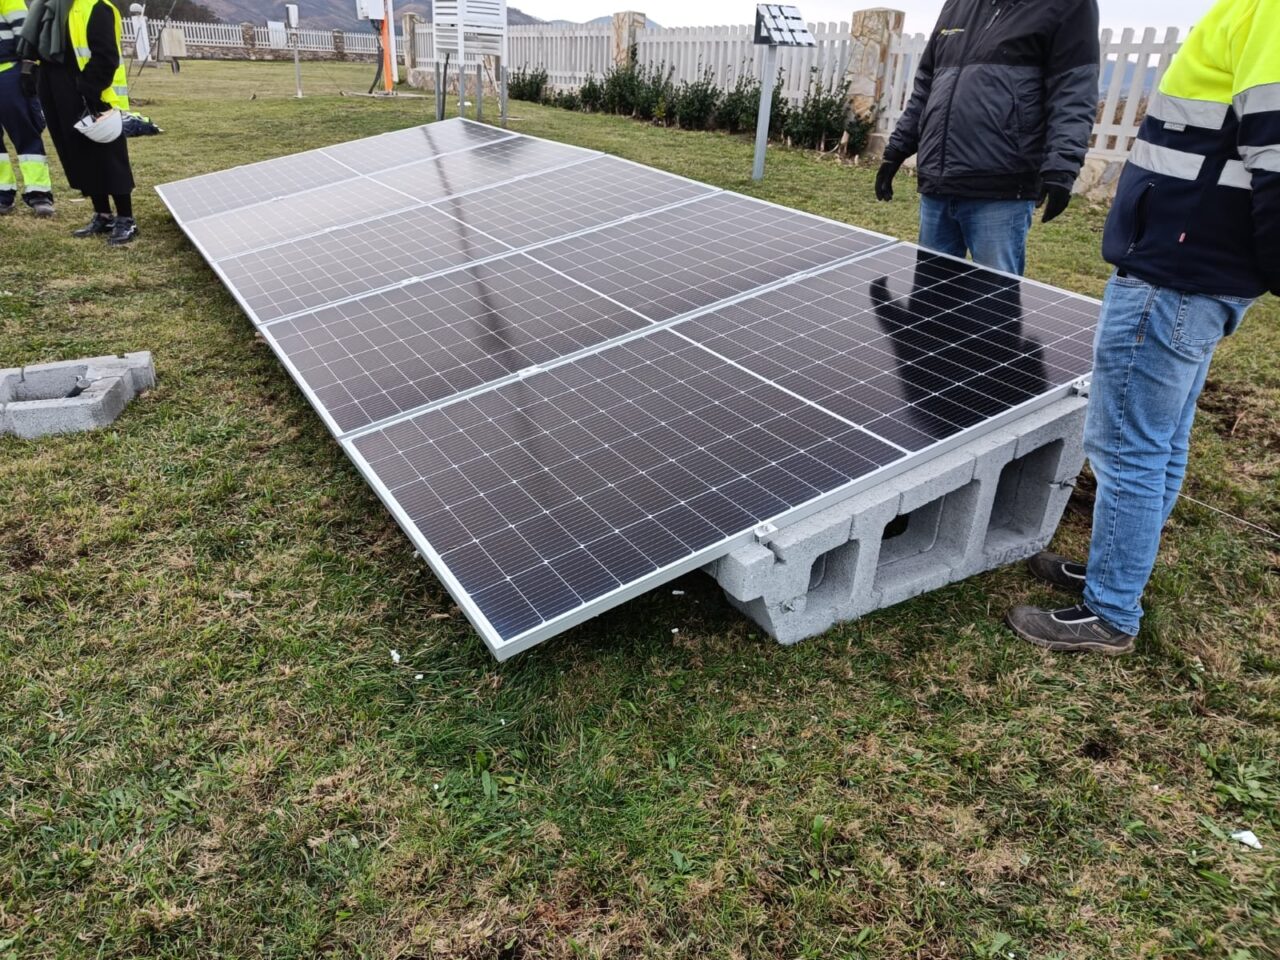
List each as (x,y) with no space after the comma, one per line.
(649,94)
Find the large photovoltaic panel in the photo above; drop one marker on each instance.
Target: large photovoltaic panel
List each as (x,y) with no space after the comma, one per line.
(571,378)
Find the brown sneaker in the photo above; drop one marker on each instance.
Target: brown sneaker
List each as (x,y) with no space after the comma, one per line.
(1072,630)
(1058,571)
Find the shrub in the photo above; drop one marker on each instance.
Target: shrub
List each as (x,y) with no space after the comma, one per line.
(697,104)
(655,93)
(526,84)
(820,120)
(859,130)
(740,107)
(592,94)
(566,100)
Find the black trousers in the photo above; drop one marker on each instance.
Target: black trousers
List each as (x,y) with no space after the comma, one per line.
(95,169)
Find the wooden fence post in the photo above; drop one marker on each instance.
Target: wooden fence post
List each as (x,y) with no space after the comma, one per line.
(626,30)
(871,32)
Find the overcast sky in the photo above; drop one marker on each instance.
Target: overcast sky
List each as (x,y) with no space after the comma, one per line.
(921,14)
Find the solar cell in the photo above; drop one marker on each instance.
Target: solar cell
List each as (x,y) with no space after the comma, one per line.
(456,173)
(557,203)
(238,187)
(347,261)
(294,216)
(912,345)
(695,255)
(545,495)
(394,351)
(373,154)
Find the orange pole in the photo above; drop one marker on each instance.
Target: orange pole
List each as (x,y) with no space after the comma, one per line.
(388,65)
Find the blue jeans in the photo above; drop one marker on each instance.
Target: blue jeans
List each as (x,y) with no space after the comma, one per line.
(994,231)
(1151,358)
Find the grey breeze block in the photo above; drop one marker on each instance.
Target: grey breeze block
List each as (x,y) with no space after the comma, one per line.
(72,396)
(992,502)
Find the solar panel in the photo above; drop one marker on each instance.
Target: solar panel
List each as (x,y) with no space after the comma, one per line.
(547,494)
(571,378)
(697,254)
(397,350)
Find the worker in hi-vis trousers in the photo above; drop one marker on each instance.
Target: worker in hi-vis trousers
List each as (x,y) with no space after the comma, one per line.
(22,121)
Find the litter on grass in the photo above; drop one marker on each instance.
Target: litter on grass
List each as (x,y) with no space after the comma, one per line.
(395,656)
(1248,838)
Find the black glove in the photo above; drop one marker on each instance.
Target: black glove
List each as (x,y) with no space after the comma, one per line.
(884,179)
(93,101)
(1055,199)
(27,79)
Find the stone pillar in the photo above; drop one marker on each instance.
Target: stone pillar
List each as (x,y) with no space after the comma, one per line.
(626,29)
(339,45)
(250,40)
(872,32)
(410,26)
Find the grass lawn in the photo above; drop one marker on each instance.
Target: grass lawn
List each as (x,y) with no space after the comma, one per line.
(207,752)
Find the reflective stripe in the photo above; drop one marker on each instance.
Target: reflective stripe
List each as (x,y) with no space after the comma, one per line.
(1263,99)
(84,52)
(6,34)
(1171,163)
(1262,158)
(1237,175)
(32,158)
(1189,113)
(121,91)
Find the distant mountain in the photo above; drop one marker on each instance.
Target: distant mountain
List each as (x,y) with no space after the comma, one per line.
(598,21)
(327,14)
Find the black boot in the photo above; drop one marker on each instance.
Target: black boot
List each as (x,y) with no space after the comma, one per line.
(1073,630)
(1058,571)
(123,232)
(6,202)
(101,225)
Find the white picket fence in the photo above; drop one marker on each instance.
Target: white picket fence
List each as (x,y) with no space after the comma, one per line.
(226,35)
(1132,63)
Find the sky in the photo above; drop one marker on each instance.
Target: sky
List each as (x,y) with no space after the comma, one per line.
(921,14)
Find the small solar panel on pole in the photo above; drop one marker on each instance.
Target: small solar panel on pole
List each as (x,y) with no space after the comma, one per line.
(776,26)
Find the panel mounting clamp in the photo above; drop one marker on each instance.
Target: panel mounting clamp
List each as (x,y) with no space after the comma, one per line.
(765,532)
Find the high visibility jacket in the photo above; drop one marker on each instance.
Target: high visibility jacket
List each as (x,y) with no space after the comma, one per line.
(1198,205)
(117,94)
(13,14)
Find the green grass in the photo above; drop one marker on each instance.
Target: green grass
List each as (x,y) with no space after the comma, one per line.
(207,752)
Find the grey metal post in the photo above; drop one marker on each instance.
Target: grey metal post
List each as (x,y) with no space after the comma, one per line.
(480,90)
(440,94)
(502,92)
(766,110)
(462,86)
(297,61)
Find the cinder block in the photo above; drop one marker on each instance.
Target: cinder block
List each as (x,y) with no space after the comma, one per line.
(994,501)
(71,396)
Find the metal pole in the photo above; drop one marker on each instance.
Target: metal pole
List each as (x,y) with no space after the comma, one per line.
(502,92)
(297,61)
(766,110)
(440,80)
(462,85)
(480,90)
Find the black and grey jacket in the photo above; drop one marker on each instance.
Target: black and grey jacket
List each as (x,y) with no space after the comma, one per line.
(1005,98)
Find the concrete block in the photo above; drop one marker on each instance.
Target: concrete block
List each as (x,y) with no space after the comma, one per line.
(996,500)
(72,396)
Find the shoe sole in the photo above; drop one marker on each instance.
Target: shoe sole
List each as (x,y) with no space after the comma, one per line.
(1080,646)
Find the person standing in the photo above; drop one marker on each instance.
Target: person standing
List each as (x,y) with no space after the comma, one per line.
(22,121)
(1194,235)
(82,73)
(1005,99)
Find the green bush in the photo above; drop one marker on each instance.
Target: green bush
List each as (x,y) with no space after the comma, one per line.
(740,107)
(592,94)
(655,93)
(820,121)
(526,84)
(697,104)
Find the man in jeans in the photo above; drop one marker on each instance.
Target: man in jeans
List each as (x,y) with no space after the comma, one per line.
(1195,237)
(1005,100)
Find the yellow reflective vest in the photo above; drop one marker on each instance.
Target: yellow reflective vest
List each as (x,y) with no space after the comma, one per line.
(1198,206)
(117,94)
(13,13)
